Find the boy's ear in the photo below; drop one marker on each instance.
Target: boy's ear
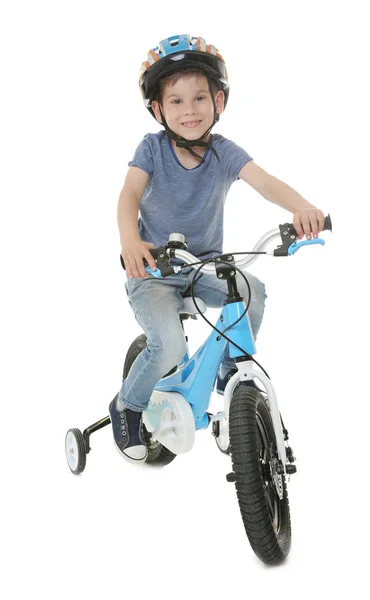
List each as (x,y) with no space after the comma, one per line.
(155,107)
(220,101)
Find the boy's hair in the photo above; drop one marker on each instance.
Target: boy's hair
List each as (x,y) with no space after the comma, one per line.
(213,85)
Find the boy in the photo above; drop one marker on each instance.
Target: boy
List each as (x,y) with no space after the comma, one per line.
(180,178)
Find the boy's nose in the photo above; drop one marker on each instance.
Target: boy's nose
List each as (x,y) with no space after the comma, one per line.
(189,109)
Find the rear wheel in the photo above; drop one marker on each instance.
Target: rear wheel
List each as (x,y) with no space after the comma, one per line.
(158,455)
(261,489)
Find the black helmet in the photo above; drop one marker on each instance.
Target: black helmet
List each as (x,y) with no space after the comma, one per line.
(178,53)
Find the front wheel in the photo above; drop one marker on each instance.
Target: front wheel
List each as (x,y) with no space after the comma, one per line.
(261,490)
(158,455)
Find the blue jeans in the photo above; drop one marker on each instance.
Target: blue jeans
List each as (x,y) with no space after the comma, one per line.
(157,304)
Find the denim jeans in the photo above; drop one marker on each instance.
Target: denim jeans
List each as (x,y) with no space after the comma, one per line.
(157,304)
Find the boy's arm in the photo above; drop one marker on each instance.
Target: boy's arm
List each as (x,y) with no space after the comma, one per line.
(133,248)
(129,202)
(307,218)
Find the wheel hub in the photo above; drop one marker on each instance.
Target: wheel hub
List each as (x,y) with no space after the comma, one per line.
(277,478)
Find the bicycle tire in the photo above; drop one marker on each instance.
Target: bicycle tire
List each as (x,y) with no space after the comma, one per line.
(266,517)
(78,463)
(158,455)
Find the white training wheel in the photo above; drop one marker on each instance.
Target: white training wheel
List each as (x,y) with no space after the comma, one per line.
(75,451)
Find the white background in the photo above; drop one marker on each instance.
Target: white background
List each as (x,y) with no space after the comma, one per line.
(71,118)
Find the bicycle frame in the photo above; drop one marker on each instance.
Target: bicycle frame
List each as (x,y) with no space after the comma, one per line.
(179,402)
(196,376)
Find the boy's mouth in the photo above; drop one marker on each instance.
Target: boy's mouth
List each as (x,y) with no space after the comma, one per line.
(191,124)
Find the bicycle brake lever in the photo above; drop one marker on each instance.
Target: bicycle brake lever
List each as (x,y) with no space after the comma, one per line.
(156,273)
(297,245)
(164,266)
(289,236)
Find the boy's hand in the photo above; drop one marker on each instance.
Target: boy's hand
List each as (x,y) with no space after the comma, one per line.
(309,222)
(133,253)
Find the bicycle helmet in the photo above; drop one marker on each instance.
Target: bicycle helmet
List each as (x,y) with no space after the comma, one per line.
(180,53)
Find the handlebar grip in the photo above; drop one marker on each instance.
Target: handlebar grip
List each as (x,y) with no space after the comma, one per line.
(327,224)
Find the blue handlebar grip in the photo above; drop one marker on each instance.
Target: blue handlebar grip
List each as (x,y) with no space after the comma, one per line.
(156,273)
(297,245)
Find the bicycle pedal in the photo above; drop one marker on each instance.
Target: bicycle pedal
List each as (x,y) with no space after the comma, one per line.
(290,469)
(231,477)
(289,453)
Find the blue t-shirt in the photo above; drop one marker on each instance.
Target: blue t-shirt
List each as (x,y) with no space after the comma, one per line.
(187,201)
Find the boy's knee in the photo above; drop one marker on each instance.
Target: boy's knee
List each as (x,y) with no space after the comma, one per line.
(167,353)
(258,290)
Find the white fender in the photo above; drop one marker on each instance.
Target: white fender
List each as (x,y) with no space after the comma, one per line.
(246,371)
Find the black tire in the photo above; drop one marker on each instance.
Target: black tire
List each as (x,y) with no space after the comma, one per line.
(158,455)
(266,517)
(76,462)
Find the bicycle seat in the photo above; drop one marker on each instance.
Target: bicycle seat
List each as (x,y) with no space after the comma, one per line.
(189,308)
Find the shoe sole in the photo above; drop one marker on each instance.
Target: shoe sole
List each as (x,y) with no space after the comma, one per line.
(128,458)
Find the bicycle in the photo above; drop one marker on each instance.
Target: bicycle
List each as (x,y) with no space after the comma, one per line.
(250,428)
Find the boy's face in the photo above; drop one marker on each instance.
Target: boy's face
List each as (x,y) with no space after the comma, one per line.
(187,106)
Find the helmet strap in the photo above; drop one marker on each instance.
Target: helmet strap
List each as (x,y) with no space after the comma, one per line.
(187,144)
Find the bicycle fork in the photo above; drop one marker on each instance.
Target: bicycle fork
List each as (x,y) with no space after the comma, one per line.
(247,372)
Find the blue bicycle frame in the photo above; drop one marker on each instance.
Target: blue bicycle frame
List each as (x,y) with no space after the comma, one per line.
(196,376)
(186,393)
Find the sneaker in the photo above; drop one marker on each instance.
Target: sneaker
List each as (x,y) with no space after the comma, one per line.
(128,433)
(221,383)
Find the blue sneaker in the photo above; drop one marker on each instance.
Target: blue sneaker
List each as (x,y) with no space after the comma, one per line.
(222,382)
(128,432)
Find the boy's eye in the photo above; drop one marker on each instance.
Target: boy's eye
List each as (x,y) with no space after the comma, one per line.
(177,100)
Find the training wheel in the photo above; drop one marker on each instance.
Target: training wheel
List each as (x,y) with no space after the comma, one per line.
(75,451)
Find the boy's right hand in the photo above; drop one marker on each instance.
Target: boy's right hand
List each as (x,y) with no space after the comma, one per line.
(133,254)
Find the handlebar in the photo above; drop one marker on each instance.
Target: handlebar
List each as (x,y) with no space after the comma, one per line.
(176,248)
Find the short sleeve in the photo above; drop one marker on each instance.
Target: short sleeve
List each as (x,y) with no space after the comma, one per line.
(232,157)
(143,157)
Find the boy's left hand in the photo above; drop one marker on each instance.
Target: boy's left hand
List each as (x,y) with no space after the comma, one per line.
(309,222)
